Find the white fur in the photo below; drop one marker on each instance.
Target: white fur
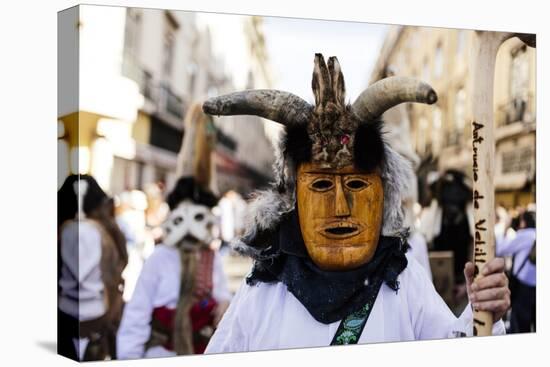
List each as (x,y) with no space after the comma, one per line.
(396,175)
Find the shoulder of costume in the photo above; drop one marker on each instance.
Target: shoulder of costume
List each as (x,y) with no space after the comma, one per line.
(161,252)
(265,212)
(414,274)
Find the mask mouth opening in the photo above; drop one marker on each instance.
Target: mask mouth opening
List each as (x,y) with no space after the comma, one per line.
(340,230)
(189,242)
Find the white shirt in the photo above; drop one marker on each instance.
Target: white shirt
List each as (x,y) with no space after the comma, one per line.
(81,284)
(419,250)
(158,285)
(267,316)
(520,246)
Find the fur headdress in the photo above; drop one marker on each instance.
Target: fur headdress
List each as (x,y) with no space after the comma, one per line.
(194,167)
(195,175)
(332,133)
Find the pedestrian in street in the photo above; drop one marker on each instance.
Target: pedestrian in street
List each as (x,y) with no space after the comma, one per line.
(181,293)
(448,223)
(523,275)
(328,242)
(92,256)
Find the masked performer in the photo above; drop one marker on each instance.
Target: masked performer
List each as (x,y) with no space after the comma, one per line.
(328,240)
(182,291)
(92,258)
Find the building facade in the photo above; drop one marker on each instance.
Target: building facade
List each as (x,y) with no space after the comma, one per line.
(441,134)
(139,71)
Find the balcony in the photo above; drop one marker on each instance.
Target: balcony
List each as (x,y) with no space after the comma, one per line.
(132,70)
(159,97)
(516,110)
(144,79)
(454,138)
(170,102)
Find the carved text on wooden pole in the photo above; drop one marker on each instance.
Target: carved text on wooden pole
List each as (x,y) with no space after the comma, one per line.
(480,235)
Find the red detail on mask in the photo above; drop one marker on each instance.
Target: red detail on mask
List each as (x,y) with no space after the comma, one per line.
(344,139)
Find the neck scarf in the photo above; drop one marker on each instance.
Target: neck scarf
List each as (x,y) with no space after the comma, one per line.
(328,296)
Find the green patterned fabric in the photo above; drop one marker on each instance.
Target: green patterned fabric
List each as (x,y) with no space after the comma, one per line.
(352,326)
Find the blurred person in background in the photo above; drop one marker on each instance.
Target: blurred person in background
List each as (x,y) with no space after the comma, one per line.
(523,280)
(232,209)
(447,223)
(182,292)
(131,219)
(93,254)
(430,216)
(157,210)
(419,246)
(502,221)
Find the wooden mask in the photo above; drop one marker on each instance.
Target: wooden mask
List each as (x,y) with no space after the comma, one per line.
(340,213)
(340,207)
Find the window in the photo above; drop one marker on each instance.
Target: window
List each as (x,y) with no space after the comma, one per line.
(460,41)
(132,32)
(438,61)
(168,52)
(426,71)
(170,28)
(421,137)
(63,165)
(519,84)
(457,131)
(436,129)
(518,160)
(192,71)
(132,36)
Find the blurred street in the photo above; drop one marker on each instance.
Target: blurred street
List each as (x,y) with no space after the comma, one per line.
(236,268)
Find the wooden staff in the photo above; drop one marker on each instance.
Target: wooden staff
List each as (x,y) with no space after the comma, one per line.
(483,149)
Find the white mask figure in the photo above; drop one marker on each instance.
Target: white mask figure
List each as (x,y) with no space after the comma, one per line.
(188,219)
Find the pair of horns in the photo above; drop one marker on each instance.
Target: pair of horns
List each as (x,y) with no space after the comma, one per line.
(289,109)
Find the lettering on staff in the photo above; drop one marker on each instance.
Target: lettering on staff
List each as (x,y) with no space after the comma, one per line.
(480,256)
(476,140)
(477,196)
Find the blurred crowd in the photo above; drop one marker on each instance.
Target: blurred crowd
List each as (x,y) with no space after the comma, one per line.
(443,232)
(112,237)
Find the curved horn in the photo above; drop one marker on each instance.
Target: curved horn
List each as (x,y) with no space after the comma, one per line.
(389,92)
(282,107)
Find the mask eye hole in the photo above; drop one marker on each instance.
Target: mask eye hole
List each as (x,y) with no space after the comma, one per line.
(321,184)
(356,184)
(199,217)
(177,220)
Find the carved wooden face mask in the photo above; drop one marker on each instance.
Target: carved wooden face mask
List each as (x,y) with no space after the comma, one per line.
(340,213)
